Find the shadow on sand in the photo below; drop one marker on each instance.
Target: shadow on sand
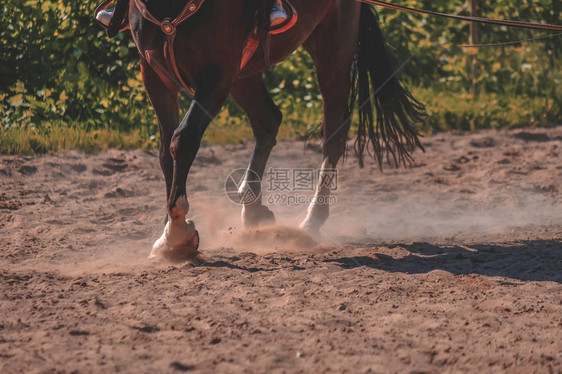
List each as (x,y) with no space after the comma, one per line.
(539,260)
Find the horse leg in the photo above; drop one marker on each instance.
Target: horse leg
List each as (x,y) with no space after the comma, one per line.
(265,119)
(332,47)
(164,100)
(180,240)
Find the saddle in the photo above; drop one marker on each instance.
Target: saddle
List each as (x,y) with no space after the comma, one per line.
(259,36)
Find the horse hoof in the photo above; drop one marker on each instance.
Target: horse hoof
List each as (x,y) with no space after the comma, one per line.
(178,247)
(312,229)
(198,260)
(256,216)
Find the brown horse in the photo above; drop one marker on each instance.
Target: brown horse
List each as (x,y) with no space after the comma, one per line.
(347,47)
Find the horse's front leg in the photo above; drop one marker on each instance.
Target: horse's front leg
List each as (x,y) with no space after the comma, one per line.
(164,99)
(180,240)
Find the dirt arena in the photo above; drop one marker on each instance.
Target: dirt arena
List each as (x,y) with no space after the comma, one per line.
(451,266)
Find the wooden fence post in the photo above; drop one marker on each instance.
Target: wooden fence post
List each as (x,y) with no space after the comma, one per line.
(473,39)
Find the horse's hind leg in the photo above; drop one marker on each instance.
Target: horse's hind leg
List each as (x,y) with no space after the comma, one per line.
(332,47)
(265,118)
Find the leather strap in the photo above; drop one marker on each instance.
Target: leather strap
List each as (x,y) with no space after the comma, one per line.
(190,9)
(251,47)
(169,28)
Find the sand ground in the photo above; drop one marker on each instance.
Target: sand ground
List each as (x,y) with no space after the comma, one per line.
(453,265)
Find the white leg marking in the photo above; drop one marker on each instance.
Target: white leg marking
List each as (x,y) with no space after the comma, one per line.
(318,210)
(179,234)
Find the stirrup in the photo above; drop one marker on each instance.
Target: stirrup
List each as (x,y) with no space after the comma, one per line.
(286,21)
(104,16)
(277,16)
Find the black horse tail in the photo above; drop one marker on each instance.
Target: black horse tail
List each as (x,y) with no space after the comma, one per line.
(394,133)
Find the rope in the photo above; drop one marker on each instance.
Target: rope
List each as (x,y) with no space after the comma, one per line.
(550,36)
(521,24)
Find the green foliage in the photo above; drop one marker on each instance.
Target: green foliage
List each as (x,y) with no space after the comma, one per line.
(59,71)
(459,111)
(58,65)
(436,46)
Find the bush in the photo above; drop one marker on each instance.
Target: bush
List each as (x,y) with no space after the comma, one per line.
(58,67)
(58,64)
